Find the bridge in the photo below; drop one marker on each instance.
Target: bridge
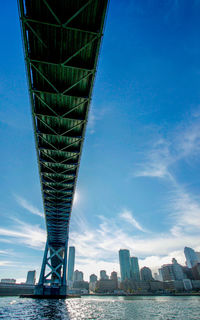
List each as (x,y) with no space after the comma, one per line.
(61,45)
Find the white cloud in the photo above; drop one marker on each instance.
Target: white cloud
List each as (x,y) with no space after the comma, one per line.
(6,252)
(6,263)
(186,210)
(27,234)
(97,248)
(154,262)
(156,161)
(94,116)
(127,216)
(28,206)
(188,140)
(162,153)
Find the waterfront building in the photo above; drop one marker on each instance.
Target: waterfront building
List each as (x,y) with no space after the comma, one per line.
(191,257)
(124,261)
(113,277)
(196,271)
(198,256)
(103,275)
(106,286)
(81,285)
(146,274)
(141,287)
(78,275)
(31,277)
(196,284)
(167,272)
(177,269)
(160,274)
(71,262)
(93,278)
(172,271)
(134,269)
(8,280)
(93,281)
(187,284)
(187,273)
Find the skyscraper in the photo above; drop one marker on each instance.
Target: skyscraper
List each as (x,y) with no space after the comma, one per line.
(191,257)
(178,271)
(124,260)
(167,272)
(103,275)
(134,268)
(78,276)
(93,278)
(146,274)
(71,261)
(31,277)
(113,277)
(172,271)
(198,256)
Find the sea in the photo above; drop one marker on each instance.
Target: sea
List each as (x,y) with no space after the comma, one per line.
(101,308)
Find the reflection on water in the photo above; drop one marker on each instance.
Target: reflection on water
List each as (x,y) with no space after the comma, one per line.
(101,308)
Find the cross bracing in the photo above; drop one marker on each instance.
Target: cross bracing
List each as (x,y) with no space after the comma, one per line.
(61,42)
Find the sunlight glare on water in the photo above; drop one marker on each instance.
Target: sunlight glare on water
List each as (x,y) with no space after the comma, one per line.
(101,308)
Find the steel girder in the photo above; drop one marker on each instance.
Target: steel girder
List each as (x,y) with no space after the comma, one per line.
(61,44)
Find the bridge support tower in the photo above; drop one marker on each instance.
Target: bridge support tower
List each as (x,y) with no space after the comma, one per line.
(52,281)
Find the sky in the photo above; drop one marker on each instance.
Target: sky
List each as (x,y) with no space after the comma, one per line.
(139,180)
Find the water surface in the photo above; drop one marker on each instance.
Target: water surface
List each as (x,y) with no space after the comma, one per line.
(101,308)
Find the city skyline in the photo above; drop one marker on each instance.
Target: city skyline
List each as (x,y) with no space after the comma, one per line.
(142,191)
(129,268)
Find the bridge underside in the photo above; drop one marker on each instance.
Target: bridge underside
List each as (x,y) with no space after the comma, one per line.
(61,43)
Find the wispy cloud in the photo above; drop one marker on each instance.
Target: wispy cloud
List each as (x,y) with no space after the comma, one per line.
(156,160)
(185,210)
(128,217)
(7,263)
(182,143)
(98,247)
(28,206)
(94,116)
(23,233)
(6,252)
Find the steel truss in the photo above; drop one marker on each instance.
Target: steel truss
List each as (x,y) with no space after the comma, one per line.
(61,44)
(56,261)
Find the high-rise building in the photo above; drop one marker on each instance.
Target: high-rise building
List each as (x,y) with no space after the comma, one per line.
(146,274)
(93,278)
(196,271)
(113,277)
(172,271)
(124,261)
(177,269)
(191,257)
(134,268)
(167,272)
(31,277)
(160,274)
(78,275)
(71,261)
(187,273)
(198,256)
(103,275)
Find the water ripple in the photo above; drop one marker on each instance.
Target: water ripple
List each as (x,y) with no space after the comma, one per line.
(101,308)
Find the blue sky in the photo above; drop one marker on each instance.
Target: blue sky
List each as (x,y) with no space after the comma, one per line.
(138,184)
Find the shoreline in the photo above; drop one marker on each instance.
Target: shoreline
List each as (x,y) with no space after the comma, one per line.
(143,295)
